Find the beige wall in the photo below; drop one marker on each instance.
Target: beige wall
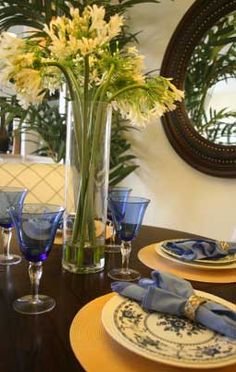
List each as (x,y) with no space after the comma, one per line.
(181,197)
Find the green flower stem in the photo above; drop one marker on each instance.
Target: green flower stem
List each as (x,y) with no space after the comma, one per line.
(84,143)
(74,90)
(76,105)
(88,127)
(79,131)
(100,93)
(86,78)
(82,209)
(85,109)
(131,87)
(80,118)
(97,254)
(85,216)
(84,212)
(69,75)
(98,130)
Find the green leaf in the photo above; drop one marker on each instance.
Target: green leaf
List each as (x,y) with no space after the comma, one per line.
(120,173)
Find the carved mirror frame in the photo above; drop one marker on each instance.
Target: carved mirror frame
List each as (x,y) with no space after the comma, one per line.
(207,157)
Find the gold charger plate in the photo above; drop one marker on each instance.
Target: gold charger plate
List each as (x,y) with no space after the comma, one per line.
(149,257)
(166,338)
(97,351)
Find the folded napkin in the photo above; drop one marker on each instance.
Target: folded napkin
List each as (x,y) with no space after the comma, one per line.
(169,294)
(193,249)
(37,229)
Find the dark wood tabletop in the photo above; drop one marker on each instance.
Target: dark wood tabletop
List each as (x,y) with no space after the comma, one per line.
(40,343)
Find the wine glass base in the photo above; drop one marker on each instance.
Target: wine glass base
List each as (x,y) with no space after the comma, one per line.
(25,305)
(122,275)
(112,248)
(12,259)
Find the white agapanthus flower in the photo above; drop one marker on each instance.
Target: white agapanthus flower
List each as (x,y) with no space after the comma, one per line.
(52,80)
(10,45)
(77,50)
(93,31)
(137,116)
(29,87)
(97,15)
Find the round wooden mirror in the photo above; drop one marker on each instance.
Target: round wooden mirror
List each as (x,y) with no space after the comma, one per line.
(195,147)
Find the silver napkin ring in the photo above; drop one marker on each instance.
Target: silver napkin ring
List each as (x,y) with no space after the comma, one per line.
(192,305)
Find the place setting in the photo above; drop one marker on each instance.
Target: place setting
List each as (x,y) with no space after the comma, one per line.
(155,323)
(198,259)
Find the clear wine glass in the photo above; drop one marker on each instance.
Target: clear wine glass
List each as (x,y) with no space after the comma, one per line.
(127,215)
(9,197)
(36,226)
(115,192)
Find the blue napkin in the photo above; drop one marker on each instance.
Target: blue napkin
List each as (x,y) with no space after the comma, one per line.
(193,249)
(168,294)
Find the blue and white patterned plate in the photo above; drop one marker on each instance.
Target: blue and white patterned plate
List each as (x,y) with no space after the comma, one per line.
(166,338)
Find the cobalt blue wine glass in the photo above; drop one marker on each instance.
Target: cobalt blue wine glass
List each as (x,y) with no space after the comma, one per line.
(127,216)
(36,226)
(115,192)
(9,197)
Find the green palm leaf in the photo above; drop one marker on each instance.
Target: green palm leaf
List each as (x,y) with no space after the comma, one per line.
(212,61)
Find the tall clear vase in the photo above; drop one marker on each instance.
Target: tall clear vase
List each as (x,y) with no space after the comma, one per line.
(86,187)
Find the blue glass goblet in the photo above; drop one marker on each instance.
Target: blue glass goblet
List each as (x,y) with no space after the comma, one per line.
(127,216)
(36,227)
(9,197)
(114,193)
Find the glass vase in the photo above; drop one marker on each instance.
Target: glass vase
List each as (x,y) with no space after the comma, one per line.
(86,187)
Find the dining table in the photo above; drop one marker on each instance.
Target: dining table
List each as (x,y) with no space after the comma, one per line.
(41,343)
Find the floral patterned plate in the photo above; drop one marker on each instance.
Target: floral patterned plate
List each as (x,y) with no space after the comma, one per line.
(197,264)
(166,338)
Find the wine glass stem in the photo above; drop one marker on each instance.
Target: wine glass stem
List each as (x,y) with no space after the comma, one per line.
(113,234)
(125,255)
(35,272)
(6,237)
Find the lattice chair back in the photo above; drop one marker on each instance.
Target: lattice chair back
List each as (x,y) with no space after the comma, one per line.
(45,182)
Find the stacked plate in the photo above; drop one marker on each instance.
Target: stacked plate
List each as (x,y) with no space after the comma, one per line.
(223,263)
(166,338)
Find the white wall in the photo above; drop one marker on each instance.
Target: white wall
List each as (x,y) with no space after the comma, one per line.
(181,197)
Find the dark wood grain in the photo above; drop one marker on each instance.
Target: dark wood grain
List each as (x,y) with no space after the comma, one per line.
(40,343)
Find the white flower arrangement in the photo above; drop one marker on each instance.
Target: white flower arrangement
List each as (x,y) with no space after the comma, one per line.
(78,49)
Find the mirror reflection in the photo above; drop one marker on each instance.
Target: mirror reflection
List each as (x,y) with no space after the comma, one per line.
(210,83)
